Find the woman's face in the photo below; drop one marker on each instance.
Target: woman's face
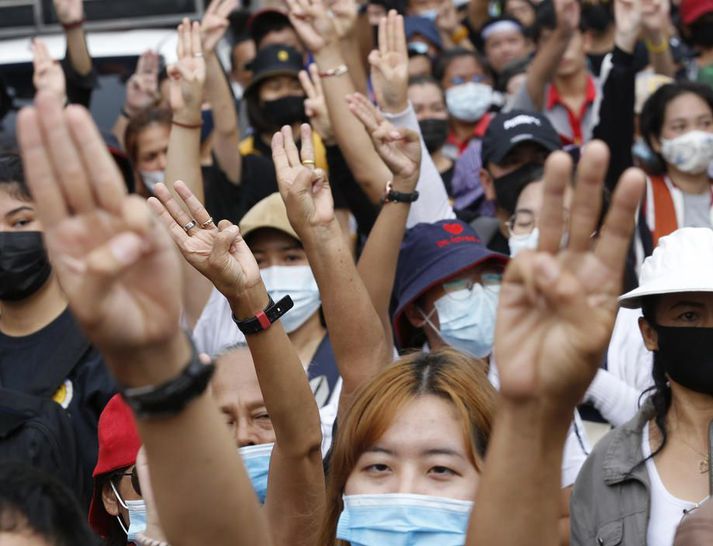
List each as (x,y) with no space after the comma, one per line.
(686,309)
(152,148)
(125,489)
(278,87)
(427,101)
(422,452)
(17,214)
(274,247)
(687,112)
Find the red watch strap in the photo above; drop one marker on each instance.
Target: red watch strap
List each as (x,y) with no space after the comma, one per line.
(263,320)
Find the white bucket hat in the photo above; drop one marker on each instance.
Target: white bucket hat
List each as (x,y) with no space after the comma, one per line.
(682,262)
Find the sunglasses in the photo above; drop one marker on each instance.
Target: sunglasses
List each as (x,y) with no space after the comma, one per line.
(133,474)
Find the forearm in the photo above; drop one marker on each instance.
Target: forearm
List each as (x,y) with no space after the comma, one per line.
(77,51)
(660,55)
(524,458)
(544,66)
(119,129)
(377,265)
(368,169)
(355,63)
(183,161)
(208,467)
(226,133)
(477,13)
(354,327)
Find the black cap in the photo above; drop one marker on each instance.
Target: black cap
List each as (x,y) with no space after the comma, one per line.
(507,130)
(274,60)
(266,21)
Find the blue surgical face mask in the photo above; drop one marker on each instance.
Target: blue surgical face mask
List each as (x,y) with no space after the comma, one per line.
(137,515)
(403,520)
(430,14)
(257,464)
(467,318)
(298,282)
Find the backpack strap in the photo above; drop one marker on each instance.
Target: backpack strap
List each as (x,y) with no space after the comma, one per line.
(666,221)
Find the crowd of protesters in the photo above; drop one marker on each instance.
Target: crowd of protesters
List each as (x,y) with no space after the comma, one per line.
(401,273)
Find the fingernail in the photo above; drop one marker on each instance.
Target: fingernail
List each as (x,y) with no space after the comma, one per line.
(125,248)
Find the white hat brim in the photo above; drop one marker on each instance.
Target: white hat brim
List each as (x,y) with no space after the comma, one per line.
(632,300)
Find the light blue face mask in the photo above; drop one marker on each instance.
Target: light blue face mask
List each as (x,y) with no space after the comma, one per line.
(403,520)
(430,14)
(257,463)
(467,318)
(137,515)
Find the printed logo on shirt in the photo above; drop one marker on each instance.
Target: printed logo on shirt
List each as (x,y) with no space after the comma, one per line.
(64,394)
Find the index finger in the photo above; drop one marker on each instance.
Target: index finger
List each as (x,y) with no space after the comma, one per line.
(196,44)
(587,200)
(558,168)
(307,84)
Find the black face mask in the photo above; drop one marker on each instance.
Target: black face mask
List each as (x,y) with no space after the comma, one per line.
(687,356)
(434,132)
(24,265)
(509,186)
(285,111)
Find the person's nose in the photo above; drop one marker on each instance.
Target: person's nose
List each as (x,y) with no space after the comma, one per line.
(407,481)
(245,435)
(163,161)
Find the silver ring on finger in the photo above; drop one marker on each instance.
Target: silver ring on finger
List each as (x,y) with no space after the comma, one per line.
(209,222)
(189,226)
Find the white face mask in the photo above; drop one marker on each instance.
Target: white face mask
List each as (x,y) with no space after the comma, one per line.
(469,101)
(430,14)
(518,243)
(298,282)
(690,153)
(151,178)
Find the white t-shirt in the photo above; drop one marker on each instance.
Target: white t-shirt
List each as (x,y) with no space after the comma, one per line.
(666,510)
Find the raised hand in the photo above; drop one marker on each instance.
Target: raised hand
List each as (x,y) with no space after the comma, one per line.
(188,75)
(655,19)
(389,64)
(304,189)
(628,17)
(315,104)
(69,11)
(48,74)
(119,271)
(345,14)
(142,87)
(568,14)
(313,23)
(400,149)
(557,306)
(218,252)
(447,20)
(215,23)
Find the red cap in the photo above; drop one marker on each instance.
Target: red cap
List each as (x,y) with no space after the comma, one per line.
(119,444)
(693,9)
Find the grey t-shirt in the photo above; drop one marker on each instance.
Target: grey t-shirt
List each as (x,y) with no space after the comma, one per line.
(697,209)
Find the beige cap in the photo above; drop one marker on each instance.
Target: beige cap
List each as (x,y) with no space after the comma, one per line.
(268,213)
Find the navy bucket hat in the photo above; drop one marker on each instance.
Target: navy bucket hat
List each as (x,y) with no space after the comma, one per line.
(430,255)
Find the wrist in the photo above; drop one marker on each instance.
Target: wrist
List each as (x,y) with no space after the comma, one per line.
(542,418)
(322,234)
(152,364)
(248,302)
(404,182)
(395,107)
(328,58)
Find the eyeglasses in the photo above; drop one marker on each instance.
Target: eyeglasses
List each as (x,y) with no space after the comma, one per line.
(524,221)
(133,474)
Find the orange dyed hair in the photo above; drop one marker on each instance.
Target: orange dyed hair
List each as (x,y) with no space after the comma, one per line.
(446,373)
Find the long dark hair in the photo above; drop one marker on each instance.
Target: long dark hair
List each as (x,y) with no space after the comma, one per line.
(660,392)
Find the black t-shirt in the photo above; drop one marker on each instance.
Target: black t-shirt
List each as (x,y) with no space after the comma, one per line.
(85,391)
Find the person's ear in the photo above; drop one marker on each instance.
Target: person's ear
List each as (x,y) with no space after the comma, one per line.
(651,338)
(656,145)
(111,504)
(587,41)
(414,316)
(487,182)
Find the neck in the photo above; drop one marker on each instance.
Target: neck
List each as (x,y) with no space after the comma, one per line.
(307,338)
(689,415)
(572,85)
(442,162)
(462,130)
(689,183)
(22,318)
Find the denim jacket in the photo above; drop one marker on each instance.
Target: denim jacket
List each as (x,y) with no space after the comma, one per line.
(610,501)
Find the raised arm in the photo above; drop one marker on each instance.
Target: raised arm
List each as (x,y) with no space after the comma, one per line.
(400,149)
(295,498)
(71,16)
(543,68)
(315,27)
(555,316)
(47,76)
(226,135)
(655,23)
(141,92)
(120,273)
(354,327)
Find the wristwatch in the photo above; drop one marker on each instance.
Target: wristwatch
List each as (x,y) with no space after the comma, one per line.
(393,196)
(264,319)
